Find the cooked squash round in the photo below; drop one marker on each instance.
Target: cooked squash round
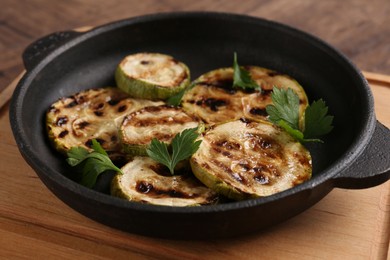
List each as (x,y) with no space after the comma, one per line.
(214,100)
(247,159)
(147,181)
(152,76)
(91,114)
(162,122)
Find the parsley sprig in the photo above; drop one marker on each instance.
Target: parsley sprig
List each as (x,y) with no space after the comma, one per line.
(91,164)
(242,78)
(183,146)
(285,112)
(175,100)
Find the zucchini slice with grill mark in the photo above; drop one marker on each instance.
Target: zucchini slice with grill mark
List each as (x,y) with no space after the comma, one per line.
(214,100)
(152,76)
(91,114)
(162,122)
(147,181)
(247,159)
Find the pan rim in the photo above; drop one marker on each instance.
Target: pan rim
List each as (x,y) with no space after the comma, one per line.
(354,150)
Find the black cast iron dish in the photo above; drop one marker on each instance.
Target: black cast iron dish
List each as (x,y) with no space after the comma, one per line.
(355,155)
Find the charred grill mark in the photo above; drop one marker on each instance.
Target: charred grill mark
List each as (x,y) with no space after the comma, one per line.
(62,121)
(161,137)
(227,154)
(83,124)
(72,104)
(98,113)
(303,160)
(258,111)
(145,62)
(212,103)
(226,84)
(100,141)
(225,168)
(273,73)
(244,166)
(99,106)
(260,174)
(54,110)
(144,187)
(266,92)
(122,108)
(262,142)
(245,120)
(113,102)
(148,188)
(88,143)
(265,144)
(228,145)
(160,169)
(63,134)
(238,177)
(222,166)
(261,178)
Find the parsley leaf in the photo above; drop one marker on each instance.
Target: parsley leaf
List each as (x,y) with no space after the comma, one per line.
(91,164)
(285,107)
(317,122)
(242,77)
(284,112)
(175,100)
(183,146)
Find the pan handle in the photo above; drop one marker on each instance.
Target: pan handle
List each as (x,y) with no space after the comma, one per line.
(39,49)
(373,165)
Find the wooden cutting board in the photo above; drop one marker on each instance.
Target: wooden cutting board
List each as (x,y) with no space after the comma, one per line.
(346,224)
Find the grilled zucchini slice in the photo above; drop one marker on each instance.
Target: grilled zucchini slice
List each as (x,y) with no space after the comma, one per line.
(247,159)
(147,181)
(91,114)
(162,122)
(214,100)
(152,76)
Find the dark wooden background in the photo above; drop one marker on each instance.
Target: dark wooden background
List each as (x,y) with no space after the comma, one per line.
(359,28)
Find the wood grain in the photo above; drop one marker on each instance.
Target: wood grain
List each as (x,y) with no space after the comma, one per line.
(358,29)
(346,224)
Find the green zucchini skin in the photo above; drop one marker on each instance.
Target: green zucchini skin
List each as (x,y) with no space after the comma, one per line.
(139,86)
(245,159)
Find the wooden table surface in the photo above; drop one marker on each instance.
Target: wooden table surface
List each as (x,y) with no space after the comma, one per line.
(346,224)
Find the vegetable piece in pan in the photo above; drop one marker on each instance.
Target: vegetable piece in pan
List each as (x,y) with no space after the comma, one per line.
(214,99)
(247,159)
(91,114)
(144,180)
(152,76)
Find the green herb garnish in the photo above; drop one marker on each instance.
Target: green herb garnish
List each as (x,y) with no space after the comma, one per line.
(285,112)
(92,164)
(175,100)
(183,146)
(242,78)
